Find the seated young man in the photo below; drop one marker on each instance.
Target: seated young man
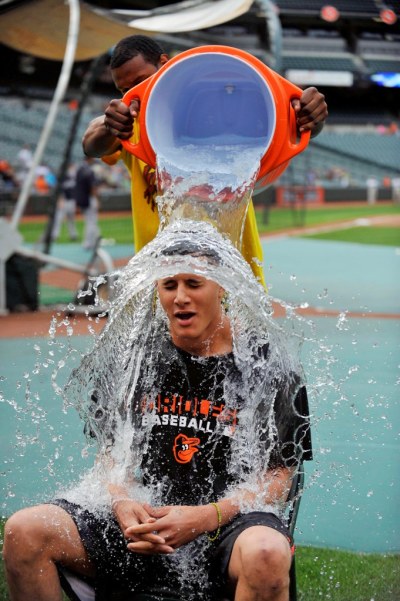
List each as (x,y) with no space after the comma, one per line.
(218,437)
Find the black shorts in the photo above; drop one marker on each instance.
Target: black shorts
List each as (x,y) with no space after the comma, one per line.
(200,565)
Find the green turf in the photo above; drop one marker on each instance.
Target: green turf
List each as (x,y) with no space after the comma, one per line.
(120,228)
(52,295)
(117,228)
(284,218)
(389,236)
(344,576)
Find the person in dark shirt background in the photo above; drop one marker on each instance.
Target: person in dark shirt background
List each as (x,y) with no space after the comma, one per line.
(86,196)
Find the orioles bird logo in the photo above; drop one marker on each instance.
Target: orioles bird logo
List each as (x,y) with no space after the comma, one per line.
(184,448)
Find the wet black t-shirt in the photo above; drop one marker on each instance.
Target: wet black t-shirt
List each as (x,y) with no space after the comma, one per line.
(192,418)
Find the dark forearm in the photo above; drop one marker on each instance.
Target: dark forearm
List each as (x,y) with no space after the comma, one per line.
(97,140)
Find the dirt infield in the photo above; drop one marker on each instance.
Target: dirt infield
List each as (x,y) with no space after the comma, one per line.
(69,280)
(37,324)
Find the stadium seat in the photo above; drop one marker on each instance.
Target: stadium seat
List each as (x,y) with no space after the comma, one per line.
(314,6)
(20,124)
(373,147)
(320,62)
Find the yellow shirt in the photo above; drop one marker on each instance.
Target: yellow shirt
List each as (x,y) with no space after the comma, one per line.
(146,221)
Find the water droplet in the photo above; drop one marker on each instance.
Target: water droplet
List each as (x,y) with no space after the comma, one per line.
(342,321)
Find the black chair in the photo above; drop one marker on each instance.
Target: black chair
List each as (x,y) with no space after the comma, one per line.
(78,588)
(294,497)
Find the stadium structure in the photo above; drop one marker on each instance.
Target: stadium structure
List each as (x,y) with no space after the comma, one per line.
(348,49)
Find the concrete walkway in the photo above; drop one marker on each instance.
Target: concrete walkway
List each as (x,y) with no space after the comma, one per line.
(351,362)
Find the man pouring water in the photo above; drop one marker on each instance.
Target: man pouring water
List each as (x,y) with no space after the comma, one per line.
(134,59)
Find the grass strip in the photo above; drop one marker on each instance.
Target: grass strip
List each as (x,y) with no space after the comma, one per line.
(119,228)
(286,218)
(344,576)
(50,295)
(388,236)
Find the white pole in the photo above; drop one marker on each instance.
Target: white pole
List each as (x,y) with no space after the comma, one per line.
(65,264)
(62,84)
(3,299)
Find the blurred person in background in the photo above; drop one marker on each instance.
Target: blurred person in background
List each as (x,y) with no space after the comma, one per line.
(66,207)
(25,158)
(45,179)
(134,59)
(396,189)
(8,179)
(372,189)
(86,197)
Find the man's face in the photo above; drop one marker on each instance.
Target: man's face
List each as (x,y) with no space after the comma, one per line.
(193,306)
(134,71)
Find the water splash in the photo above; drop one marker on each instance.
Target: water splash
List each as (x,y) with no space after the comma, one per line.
(214,186)
(137,330)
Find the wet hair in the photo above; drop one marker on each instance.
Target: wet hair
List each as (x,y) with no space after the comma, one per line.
(185,247)
(132,46)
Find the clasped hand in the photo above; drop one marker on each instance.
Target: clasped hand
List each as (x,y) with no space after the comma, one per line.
(152,530)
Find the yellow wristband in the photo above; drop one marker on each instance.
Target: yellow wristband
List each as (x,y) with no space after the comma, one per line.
(218,530)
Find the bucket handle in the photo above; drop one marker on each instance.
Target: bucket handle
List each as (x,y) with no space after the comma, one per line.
(291,148)
(138,150)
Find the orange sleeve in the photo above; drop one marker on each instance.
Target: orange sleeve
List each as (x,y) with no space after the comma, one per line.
(111,159)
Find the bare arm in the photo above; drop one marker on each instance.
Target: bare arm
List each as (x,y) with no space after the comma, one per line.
(178,525)
(97,140)
(273,488)
(104,134)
